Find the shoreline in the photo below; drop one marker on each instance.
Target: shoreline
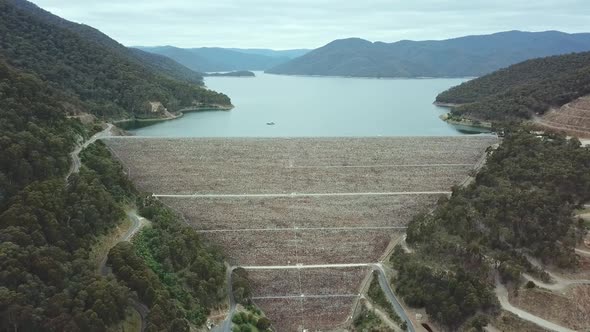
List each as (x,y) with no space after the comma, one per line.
(466,122)
(178,114)
(374,77)
(445,105)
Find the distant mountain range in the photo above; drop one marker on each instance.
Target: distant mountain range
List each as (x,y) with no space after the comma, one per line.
(215,59)
(458,57)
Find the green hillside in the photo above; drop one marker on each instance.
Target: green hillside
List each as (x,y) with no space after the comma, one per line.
(49,227)
(110,79)
(520,205)
(522,90)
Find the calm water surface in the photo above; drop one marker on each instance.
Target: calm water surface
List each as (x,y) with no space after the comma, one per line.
(316,106)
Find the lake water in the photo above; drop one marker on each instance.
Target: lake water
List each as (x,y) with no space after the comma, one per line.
(316,106)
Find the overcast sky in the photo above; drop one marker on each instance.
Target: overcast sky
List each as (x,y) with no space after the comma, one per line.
(282,24)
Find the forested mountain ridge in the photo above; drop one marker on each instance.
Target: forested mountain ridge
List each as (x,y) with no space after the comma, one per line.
(459,57)
(291,54)
(159,64)
(110,79)
(216,59)
(522,90)
(168,66)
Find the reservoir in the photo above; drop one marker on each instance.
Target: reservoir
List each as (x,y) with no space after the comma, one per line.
(299,106)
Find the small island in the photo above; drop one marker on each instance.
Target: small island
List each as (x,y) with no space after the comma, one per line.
(239,73)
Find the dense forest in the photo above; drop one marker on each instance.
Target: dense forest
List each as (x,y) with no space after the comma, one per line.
(522,90)
(49,227)
(110,80)
(47,230)
(36,136)
(521,204)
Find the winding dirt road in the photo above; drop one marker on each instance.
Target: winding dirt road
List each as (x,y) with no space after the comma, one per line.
(502,294)
(138,222)
(560,283)
(75,155)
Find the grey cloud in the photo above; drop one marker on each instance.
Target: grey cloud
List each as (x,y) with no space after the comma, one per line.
(311,23)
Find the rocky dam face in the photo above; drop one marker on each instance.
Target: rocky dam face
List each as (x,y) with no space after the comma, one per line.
(308,218)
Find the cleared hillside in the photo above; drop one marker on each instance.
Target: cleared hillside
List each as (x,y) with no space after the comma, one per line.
(572,118)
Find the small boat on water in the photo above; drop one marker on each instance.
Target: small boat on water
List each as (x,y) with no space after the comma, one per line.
(270,123)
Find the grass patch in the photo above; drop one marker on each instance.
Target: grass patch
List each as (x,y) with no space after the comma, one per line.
(369,321)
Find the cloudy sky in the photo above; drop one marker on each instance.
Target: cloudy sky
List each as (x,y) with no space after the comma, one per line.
(283,24)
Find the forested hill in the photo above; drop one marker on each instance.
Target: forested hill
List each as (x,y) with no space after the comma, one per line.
(108,78)
(458,57)
(216,59)
(168,67)
(51,231)
(522,90)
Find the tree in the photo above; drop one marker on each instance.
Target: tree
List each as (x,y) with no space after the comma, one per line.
(263,323)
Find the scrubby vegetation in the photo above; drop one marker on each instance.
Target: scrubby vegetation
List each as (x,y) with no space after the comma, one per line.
(376,295)
(521,204)
(250,321)
(242,291)
(368,321)
(177,278)
(522,90)
(449,297)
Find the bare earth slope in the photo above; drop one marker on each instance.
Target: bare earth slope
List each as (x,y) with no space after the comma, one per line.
(572,118)
(300,202)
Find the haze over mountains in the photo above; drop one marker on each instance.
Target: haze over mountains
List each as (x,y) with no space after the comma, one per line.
(459,57)
(214,59)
